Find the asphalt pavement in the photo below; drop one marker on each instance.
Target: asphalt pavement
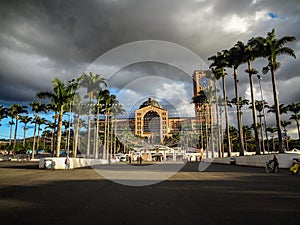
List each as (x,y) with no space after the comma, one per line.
(222,194)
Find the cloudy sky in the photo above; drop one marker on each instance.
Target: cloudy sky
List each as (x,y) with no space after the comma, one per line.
(40,40)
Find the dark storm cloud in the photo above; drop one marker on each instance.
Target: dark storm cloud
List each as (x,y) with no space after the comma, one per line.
(41,40)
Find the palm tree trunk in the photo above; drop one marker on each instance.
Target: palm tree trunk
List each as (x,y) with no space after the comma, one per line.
(104,143)
(206,132)
(226,116)
(59,128)
(15,135)
(238,109)
(261,135)
(277,112)
(88,134)
(97,134)
(298,128)
(76,137)
(38,139)
(33,145)
(10,132)
(24,138)
(257,150)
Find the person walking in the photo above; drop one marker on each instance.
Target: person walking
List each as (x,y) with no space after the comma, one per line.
(67,163)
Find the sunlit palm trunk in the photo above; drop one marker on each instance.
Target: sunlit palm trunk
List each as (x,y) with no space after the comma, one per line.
(206,132)
(238,109)
(38,139)
(115,136)
(33,145)
(226,116)
(76,136)
(15,135)
(104,143)
(59,129)
(88,134)
(97,134)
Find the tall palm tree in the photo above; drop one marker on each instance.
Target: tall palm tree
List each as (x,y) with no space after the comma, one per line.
(62,94)
(36,107)
(251,52)
(91,82)
(219,64)
(295,109)
(11,123)
(273,47)
(235,59)
(16,110)
(25,120)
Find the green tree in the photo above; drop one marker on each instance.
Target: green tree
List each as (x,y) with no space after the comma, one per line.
(252,51)
(218,65)
(15,111)
(92,82)
(36,107)
(295,109)
(25,120)
(272,131)
(61,95)
(235,60)
(272,48)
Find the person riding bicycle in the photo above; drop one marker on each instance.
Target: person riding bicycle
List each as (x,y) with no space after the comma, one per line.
(276,163)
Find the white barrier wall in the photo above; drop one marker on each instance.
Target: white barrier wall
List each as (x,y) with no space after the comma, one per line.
(285,160)
(59,163)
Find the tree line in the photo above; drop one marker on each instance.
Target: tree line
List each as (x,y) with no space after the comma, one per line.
(62,99)
(269,48)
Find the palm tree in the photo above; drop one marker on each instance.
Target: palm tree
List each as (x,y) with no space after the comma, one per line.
(62,94)
(36,107)
(295,109)
(39,121)
(3,112)
(273,47)
(259,105)
(247,134)
(25,120)
(272,130)
(235,59)
(16,110)
(284,124)
(219,64)
(91,82)
(201,100)
(52,126)
(117,109)
(251,52)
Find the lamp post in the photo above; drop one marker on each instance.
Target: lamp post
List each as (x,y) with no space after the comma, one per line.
(264,114)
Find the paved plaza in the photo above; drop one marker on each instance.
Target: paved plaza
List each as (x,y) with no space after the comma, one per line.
(222,194)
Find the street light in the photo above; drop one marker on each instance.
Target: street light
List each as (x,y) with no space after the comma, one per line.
(263,105)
